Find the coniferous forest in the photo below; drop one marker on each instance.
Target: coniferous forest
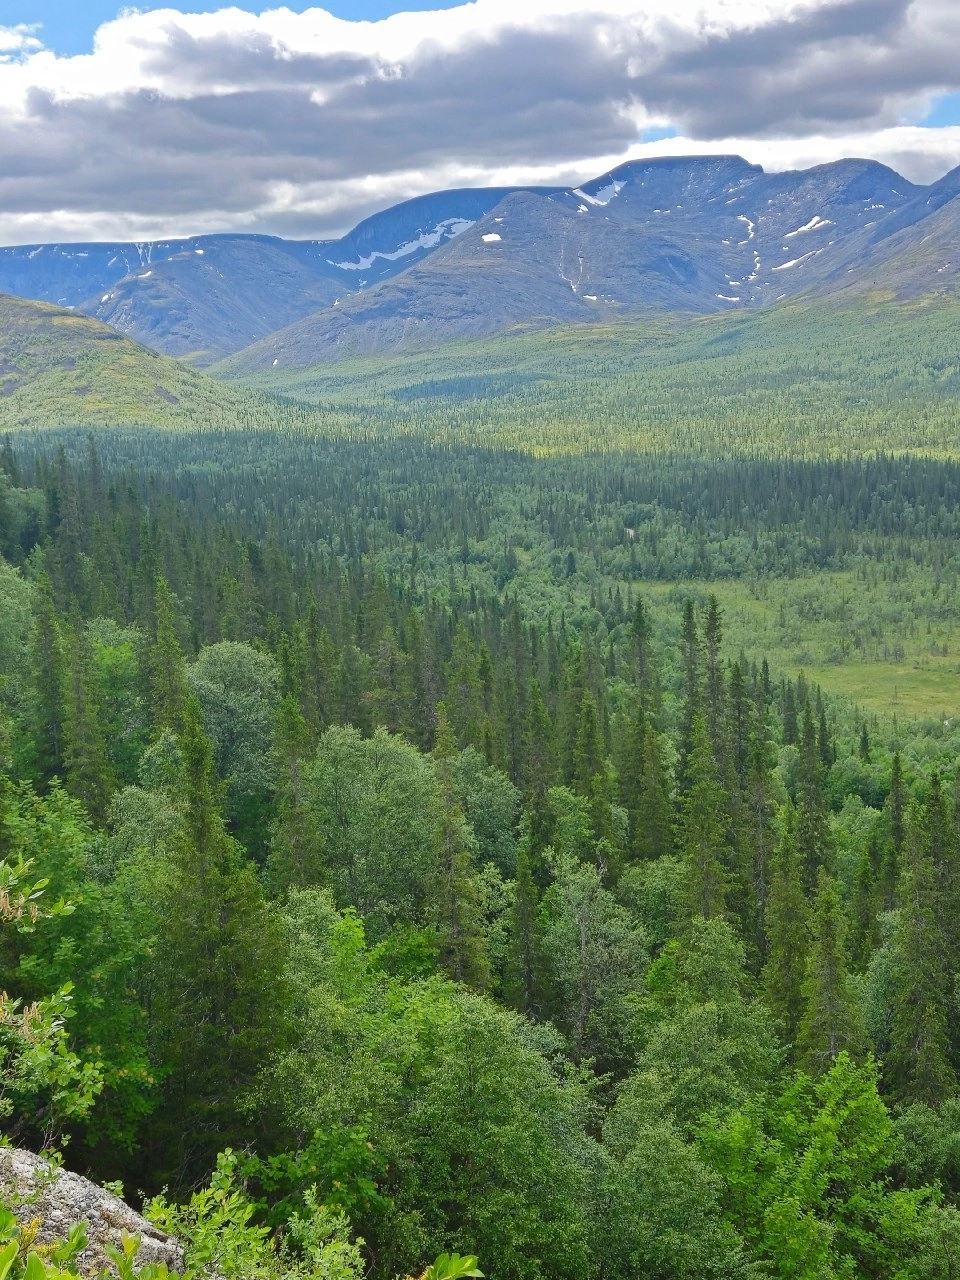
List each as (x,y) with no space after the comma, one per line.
(416,850)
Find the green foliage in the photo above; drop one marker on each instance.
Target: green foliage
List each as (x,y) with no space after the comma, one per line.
(806,1179)
(339,1166)
(436,829)
(222,1238)
(451,1266)
(21,1258)
(831,1020)
(44,1084)
(236,688)
(707,1043)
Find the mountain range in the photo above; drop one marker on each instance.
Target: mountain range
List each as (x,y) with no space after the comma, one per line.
(688,235)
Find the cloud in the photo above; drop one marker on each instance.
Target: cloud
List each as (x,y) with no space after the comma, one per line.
(17,41)
(301,124)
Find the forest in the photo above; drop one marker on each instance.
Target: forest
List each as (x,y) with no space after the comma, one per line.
(414,851)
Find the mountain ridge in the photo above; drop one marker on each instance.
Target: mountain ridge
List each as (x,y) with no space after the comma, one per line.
(688,234)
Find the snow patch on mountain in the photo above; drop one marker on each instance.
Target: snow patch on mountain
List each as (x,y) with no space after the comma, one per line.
(815,223)
(445,230)
(603,196)
(795,262)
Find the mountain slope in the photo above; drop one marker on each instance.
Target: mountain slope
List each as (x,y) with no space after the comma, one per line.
(204,302)
(913,254)
(203,297)
(695,235)
(58,368)
(810,377)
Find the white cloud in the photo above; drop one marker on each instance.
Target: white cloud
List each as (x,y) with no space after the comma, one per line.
(17,41)
(303,123)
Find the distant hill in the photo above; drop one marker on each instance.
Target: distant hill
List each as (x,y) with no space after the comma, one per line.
(848,373)
(59,368)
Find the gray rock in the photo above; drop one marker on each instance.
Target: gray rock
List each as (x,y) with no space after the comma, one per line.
(33,1188)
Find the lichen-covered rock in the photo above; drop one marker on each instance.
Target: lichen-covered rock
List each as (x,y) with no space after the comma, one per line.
(32,1188)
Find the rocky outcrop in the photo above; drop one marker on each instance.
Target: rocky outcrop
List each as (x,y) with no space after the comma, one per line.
(32,1188)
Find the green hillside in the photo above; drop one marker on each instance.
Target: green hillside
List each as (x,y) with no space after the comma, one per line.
(60,368)
(805,379)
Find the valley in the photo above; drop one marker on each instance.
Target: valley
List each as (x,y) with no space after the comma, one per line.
(488,694)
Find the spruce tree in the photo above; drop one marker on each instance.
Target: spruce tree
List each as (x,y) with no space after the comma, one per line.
(786,925)
(539,764)
(757,839)
(791,726)
(895,813)
(169,692)
(918,1063)
(590,774)
(714,687)
(644,664)
(525,966)
(863,908)
(463,950)
(216,990)
(653,827)
(701,828)
(49,683)
(825,747)
(690,658)
(464,699)
(89,776)
(813,828)
(831,1021)
(739,727)
(940,841)
(632,727)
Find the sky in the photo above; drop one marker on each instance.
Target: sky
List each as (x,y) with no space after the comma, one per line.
(124,123)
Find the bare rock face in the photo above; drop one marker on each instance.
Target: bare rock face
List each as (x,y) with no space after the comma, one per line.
(33,1188)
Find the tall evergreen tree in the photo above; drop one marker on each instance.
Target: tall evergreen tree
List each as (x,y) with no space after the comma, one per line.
(457,900)
(692,701)
(217,987)
(702,827)
(865,903)
(895,813)
(653,826)
(169,692)
(87,766)
(813,828)
(49,683)
(524,977)
(757,839)
(791,725)
(831,1023)
(786,925)
(940,840)
(918,1063)
(714,686)
(464,691)
(644,663)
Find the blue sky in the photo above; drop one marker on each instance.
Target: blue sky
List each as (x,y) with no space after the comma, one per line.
(68,25)
(946,111)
